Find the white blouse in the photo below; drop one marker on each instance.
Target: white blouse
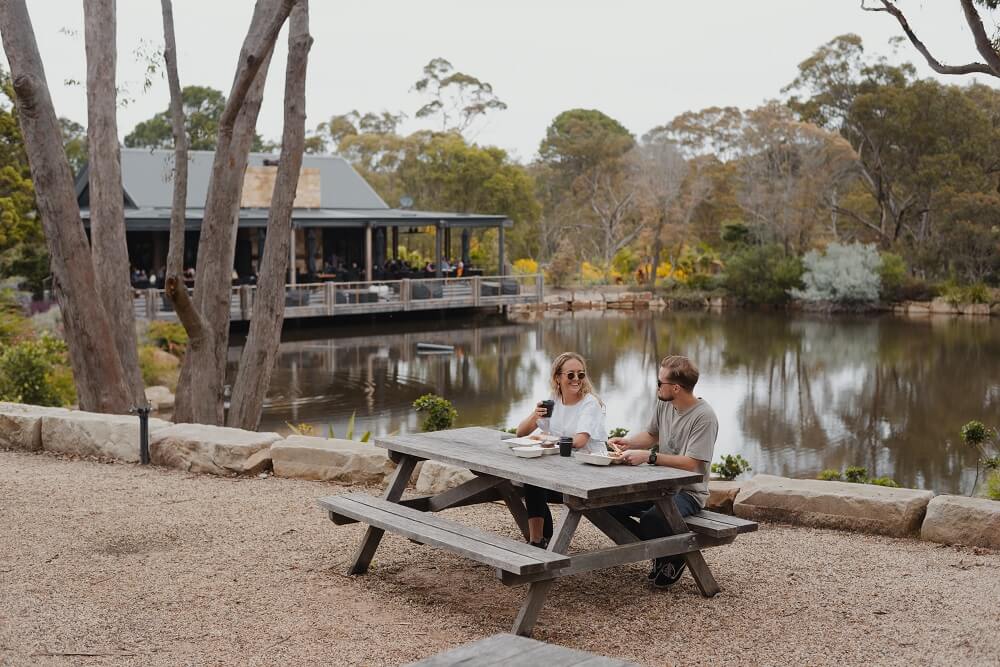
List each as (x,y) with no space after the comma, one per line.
(586,416)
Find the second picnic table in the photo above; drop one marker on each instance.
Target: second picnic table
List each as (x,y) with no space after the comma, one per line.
(587,492)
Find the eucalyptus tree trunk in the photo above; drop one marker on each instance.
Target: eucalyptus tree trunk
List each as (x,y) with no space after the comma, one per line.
(107,208)
(261,348)
(97,368)
(175,254)
(199,392)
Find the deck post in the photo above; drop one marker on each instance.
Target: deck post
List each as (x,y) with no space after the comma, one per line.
(291,257)
(476,290)
(329,297)
(437,248)
(245,302)
(368,252)
(152,303)
(503,258)
(404,293)
(539,288)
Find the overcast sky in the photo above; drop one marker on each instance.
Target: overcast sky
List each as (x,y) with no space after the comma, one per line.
(641,62)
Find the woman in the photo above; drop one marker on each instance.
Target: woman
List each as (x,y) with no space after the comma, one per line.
(577,413)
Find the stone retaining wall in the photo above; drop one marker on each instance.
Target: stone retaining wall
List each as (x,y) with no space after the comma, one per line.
(228,451)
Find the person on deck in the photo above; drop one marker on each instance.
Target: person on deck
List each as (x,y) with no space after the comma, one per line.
(577,413)
(681,433)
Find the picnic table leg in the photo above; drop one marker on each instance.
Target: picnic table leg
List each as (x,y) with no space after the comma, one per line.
(699,568)
(526,617)
(393,492)
(515,505)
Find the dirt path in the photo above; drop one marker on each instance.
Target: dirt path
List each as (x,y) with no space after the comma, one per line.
(147,566)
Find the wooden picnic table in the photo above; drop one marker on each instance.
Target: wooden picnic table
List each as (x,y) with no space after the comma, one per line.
(587,490)
(514,651)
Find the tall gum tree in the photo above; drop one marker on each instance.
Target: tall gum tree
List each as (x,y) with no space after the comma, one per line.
(97,366)
(107,208)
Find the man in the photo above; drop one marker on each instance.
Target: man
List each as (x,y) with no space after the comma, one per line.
(680,434)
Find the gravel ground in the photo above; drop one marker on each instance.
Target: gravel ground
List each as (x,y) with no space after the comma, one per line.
(117,564)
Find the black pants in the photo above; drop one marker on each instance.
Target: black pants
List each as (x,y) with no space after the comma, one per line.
(651,522)
(537,500)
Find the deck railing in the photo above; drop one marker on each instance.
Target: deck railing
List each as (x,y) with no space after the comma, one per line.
(329,299)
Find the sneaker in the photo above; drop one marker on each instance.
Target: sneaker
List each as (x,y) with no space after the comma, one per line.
(669,574)
(656,565)
(542,544)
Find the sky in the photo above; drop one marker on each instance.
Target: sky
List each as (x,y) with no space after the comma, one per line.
(640,61)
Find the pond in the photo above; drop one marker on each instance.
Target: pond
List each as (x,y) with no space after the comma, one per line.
(794,394)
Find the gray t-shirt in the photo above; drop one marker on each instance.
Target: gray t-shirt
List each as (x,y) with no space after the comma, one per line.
(689,433)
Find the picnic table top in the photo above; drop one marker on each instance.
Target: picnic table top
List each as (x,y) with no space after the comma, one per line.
(482,450)
(516,651)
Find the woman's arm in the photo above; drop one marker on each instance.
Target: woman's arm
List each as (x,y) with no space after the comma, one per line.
(530,423)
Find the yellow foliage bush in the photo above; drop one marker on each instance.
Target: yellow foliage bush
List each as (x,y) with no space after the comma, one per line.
(525,266)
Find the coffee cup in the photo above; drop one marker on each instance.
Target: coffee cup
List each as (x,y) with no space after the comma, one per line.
(548,404)
(565,446)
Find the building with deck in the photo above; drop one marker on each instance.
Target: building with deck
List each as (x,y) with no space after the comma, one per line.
(344,241)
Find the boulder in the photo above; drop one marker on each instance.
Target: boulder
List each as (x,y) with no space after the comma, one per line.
(918,307)
(331,459)
(21,425)
(92,434)
(160,398)
(943,307)
(164,359)
(961,520)
(439,477)
(977,309)
(218,450)
(722,495)
(862,508)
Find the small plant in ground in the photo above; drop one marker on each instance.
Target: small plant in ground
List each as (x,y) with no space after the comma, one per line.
(731,467)
(439,413)
(301,429)
(976,434)
(856,475)
(618,432)
(169,336)
(365,437)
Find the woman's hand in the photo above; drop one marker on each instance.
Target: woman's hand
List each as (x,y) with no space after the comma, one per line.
(540,411)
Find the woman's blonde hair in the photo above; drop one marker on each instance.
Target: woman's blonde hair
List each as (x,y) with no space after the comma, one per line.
(557,366)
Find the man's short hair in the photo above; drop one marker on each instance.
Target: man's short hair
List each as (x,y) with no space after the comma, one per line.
(680,370)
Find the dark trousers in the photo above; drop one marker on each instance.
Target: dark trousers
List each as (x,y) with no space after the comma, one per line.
(651,522)
(536,500)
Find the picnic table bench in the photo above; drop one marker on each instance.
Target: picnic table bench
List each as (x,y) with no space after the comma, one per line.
(587,493)
(514,651)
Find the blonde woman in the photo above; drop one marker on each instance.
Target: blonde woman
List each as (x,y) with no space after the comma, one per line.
(577,413)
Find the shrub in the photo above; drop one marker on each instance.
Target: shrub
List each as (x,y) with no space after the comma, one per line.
(956,294)
(830,475)
(993,486)
(763,275)
(619,432)
(13,324)
(892,276)
(856,475)
(562,268)
(525,267)
(976,434)
(440,413)
(731,467)
(37,372)
(884,481)
(625,262)
(847,274)
(158,367)
(169,336)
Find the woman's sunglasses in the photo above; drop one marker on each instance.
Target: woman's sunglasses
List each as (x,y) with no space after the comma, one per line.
(572,375)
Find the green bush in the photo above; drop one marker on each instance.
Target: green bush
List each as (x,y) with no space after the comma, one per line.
(619,432)
(892,276)
(975,433)
(440,414)
(13,324)
(956,294)
(37,372)
(763,275)
(830,475)
(993,486)
(884,481)
(169,336)
(731,467)
(856,475)
(156,368)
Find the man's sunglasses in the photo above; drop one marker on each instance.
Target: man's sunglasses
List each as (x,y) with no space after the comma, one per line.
(572,375)
(660,384)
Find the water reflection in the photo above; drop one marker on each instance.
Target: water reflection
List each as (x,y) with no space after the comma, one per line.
(794,395)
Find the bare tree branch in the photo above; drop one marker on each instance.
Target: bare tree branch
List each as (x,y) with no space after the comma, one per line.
(972,16)
(175,255)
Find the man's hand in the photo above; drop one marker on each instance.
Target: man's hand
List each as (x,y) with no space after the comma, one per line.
(618,444)
(634,457)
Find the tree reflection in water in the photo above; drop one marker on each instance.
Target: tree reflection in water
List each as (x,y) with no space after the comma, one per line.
(794,394)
